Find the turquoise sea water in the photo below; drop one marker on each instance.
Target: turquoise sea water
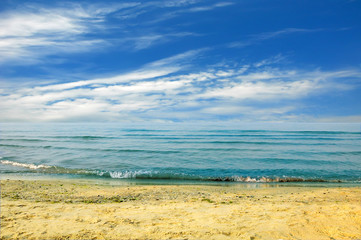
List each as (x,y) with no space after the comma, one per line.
(218,152)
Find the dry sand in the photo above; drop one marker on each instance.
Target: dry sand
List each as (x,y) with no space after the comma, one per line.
(89,210)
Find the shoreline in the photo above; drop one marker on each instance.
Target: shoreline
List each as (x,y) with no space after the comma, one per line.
(174,181)
(97,209)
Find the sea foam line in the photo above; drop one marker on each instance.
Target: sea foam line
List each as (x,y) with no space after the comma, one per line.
(270,180)
(147,174)
(25,165)
(130,174)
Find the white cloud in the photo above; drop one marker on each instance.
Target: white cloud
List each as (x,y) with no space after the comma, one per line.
(210,7)
(243,92)
(132,76)
(258,38)
(249,113)
(176,3)
(30,24)
(146,41)
(188,7)
(30,34)
(177,60)
(261,91)
(335,119)
(268,35)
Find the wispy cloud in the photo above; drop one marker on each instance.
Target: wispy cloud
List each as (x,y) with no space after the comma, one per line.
(335,119)
(191,7)
(181,59)
(145,41)
(268,35)
(30,34)
(258,38)
(157,91)
(210,7)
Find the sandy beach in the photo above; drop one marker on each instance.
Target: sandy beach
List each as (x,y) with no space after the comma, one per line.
(65,209)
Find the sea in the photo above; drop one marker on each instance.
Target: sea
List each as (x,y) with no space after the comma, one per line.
(198,152)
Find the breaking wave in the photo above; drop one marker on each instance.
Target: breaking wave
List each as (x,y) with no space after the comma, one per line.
(159,175)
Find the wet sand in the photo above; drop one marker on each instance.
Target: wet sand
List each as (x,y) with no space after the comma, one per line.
(65,209)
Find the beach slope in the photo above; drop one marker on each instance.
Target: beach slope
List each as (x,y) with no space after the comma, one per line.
(49,209)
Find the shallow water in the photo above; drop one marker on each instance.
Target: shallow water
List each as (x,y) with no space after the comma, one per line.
(244,153)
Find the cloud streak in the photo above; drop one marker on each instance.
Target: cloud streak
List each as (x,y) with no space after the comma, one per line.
(210,7)
(260,37)
(30,35)
(242,92)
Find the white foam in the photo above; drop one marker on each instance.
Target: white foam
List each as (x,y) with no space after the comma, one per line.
(25,165)
(129,174)
(250,180)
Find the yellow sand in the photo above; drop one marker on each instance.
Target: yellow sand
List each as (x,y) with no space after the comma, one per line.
(87,210)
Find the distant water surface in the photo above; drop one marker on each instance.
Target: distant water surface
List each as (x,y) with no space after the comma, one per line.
(238,152)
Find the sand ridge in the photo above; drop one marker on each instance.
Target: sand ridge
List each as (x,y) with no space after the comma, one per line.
(67,210)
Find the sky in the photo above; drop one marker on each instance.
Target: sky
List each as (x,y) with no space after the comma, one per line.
(180,61)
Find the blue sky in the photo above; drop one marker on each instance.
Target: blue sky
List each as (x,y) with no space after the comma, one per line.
(180,61)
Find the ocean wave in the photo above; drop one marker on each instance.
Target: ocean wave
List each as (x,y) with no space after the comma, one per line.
(266,143)
(86,137)
(24,165)
(269,179)
(131,174)
(24,139)
(159,175)
(48,169)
